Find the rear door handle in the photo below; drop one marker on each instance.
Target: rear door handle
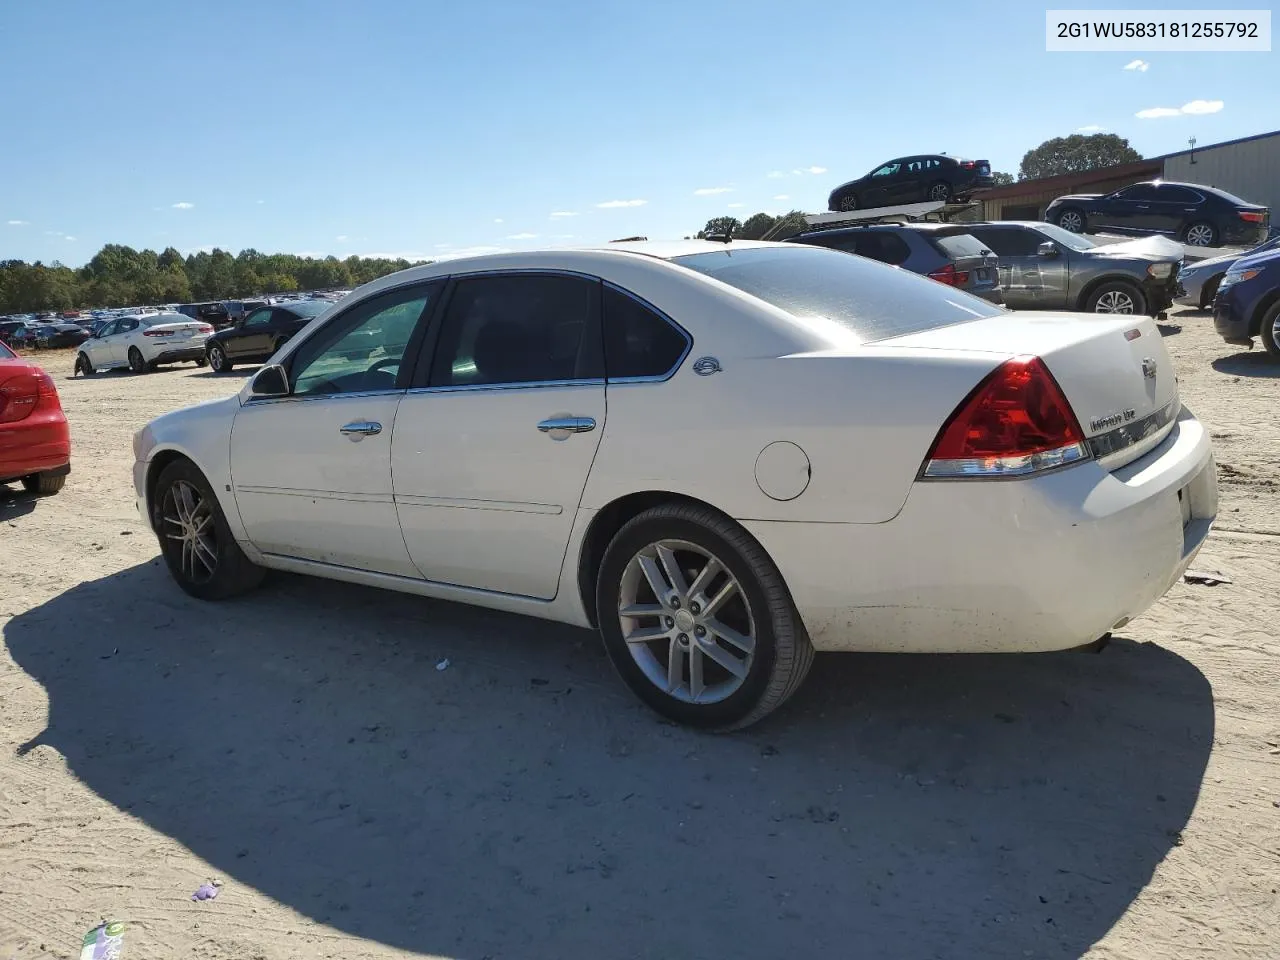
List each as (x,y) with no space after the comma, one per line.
(359,429)
(568,425)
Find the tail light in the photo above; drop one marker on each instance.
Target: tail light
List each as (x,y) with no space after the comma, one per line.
(22,394)
(157,333)
(1252,216)
(967,164)
(950,276)
(1016,422)
(204,328)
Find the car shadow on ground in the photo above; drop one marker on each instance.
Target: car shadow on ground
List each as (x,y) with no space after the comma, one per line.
(15,502)
(520,803)
(245,371)
(1255,363)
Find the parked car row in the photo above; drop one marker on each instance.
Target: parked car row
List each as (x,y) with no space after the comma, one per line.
(1024,265)
(1247,301)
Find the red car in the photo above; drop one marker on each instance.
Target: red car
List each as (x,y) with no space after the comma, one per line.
(35,442)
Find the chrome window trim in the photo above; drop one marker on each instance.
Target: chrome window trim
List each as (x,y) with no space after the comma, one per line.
(527,384)
(652,378)
(305,398)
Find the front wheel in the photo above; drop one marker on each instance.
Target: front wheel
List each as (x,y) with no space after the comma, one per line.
(138,363)
(1117,297)
(848,203)
(1071,221)
(218,361)
(44,484)
(697,619)
(198,547)
(84,366)
(1270,331)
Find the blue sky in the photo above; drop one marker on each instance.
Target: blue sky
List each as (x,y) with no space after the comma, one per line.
(421,129)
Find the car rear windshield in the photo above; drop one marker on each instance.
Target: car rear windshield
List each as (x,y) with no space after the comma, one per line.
(961,245)
(870,299)
(309,308)
(6,353)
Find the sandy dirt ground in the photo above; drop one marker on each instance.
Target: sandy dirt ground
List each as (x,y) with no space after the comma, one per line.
(301,746)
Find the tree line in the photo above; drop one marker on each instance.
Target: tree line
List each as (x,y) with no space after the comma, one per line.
(119,276)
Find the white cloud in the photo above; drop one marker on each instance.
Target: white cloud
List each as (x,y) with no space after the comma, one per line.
(523,236)
(560,214)
(260,201)
(615,204)
(775,174)
(53,233)
(1091,128)
(782,196)
(19,223)
(563,236)
(340,237)
(711,191)
(68,238)
(735,206)
(816,170)
(1191,108)
(183,205)
(497,220)
(1140,65)
(443,246)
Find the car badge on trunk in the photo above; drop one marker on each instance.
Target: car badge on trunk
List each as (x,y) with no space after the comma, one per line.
(1148,368)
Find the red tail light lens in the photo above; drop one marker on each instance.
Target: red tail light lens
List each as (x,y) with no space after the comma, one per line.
(1016,422)
(1251,216)
(204,328)
(157,333)
(46,392)
(18,396)
(950,276)
(967,164)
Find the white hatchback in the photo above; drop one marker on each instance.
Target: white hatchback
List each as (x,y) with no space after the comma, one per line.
(725,456)
(142,342)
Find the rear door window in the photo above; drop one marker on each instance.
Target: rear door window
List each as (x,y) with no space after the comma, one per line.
(959,245)
(866,298)
(883,246)
(1009,241)
(1172,193)
(639,343)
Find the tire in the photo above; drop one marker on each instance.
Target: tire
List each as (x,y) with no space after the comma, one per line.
(940,191)
(759,609)
(182,488)
(84,366)
(218,361)
(1072,220)
(44,484)
(1114,293)
(1209,292)
(847,204)
(1269,330)
(136,362)
(1200,234)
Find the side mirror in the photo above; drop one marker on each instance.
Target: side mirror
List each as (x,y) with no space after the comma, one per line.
(1047,249)
(271,381)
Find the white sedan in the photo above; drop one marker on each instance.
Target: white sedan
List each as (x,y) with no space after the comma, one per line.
(143,341)
(724,456)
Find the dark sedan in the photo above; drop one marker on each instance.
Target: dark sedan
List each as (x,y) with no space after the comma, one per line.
(912,180)
(1248,302)
(260,334)
(1197,215)
(52,336)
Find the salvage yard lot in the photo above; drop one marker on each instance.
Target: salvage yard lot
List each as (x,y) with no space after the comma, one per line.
(302,746)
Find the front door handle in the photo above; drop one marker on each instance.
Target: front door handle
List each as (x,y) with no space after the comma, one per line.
(567,425)
(360,429)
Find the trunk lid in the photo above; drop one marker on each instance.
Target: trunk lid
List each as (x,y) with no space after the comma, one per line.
(1115,371)
(176,330)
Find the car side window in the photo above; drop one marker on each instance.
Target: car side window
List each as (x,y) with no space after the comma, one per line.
(126,326)
(883,246)
(259,318)
(109,329)
(1142,192)
(519,328)
(638,341)
(361,350)
(888,170)
(1009,241)
(1170,193)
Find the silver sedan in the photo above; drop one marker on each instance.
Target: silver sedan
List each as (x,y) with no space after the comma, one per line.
(1198,282)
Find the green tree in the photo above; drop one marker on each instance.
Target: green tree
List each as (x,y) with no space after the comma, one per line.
(1001,179)
(720,226)
(1076,154)
(755,226)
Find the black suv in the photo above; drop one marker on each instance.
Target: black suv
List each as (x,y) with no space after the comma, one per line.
(912,180)
(1198,216)
(214,314)
(945,252)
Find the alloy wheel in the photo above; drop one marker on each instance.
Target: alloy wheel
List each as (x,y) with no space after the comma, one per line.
(189,522)
(1071,221)
(1114,301)
(1200,235)
(848,203)
(216,360)
(686,622)
(939,191)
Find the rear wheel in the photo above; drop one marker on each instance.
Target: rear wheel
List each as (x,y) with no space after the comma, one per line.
(44,484)
(1071,220)
(84,366)
(1116,297)
(940,191)
(1270,331)
(138,363)
(1201,235)
(198,547)
(697,620)
(848,203)
(218,361)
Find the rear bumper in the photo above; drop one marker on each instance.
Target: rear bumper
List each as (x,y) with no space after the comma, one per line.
(34,448)
(194,351)
(955,572)
(1242,233)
